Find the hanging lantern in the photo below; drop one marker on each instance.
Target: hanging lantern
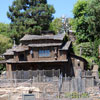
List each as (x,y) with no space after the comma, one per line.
(99,52)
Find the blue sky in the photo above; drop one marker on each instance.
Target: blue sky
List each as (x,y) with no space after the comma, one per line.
(62,7)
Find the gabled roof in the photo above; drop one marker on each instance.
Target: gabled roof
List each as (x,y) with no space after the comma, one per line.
(39,37)
(9,52)
(78,57)
(66,46)
(19,48)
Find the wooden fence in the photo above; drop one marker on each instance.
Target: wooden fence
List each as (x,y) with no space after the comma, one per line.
(51,83)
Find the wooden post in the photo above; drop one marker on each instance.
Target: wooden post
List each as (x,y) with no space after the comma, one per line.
(99,52)
(80,51)
(9,69)
(95,72)
(65,77)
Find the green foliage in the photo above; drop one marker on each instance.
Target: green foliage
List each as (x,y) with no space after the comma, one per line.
(59,25)
(56,25)
(84,95)
(76,95)
(80,24)
(94,18)
(29,17)
(87,51)
(5,43)
(2,68)
(95,51)
(4,29)
(86,22)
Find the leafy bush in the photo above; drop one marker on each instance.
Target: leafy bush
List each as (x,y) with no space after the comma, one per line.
(76,95)
(84,95)
(2,68)
(86,49)
(5,43)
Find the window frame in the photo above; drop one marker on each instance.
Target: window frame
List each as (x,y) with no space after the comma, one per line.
(44,53)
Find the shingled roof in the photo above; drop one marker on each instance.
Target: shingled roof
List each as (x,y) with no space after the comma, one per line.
(38,37)
(9,52)
(21,48)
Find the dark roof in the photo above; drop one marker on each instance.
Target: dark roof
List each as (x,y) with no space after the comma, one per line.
(66,46)
(78,57)
(38,37)
(45,45)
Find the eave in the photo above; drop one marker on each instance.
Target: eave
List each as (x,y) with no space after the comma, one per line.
(3,62)
(41,61)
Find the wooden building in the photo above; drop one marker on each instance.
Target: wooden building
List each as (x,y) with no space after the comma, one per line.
(42,52)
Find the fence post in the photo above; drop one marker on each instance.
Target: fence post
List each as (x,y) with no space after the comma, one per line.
(92,83)
(60,84)
(69,83)
(83,85)
(44,78)
(37,75)
(15,83)
(65,77)
(33,79)
(15,78)
(53,74)
(30,74)
(59,72)
(9,96)
(22,77)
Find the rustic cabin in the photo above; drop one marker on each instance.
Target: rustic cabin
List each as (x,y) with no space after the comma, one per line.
(42,52)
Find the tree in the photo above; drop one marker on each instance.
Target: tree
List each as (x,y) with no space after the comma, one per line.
(56,25)
(94,18)
(5,43)
(80,24)
(4,29)
(59,25)
(30,16)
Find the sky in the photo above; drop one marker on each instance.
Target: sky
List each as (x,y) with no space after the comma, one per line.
(62,7)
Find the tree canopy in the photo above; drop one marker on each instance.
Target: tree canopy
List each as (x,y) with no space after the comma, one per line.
(94,18)
(4,29)
(86,22)
(80,24)
(56,25)
(30,16)
(5,43)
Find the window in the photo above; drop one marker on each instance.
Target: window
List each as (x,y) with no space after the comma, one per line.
(44,53)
